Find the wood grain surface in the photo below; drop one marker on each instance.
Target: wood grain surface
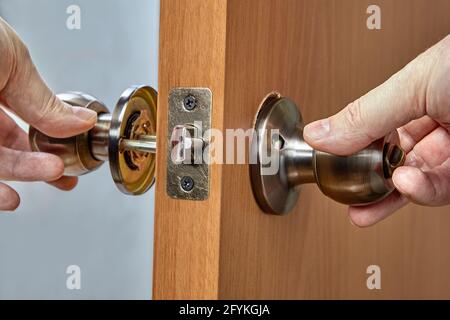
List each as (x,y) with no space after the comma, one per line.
(187,233)
(320,54)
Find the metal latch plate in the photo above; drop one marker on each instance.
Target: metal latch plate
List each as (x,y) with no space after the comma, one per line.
(188,106)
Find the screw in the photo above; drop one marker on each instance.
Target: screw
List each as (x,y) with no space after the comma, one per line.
(190,102)
(187,183)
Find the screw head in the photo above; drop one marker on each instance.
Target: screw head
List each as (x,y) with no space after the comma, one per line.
(190,102)
(187,183)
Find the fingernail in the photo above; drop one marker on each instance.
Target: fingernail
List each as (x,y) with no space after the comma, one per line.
(84,114)
(317,130)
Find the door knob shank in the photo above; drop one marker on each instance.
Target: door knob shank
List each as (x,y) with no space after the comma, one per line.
(358,179)
(126,138)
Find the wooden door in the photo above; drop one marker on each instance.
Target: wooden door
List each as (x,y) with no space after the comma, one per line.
(321,54)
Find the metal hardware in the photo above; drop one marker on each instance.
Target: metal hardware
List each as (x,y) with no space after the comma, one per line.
(358,179)
(187,145)
(76,151)
(187,163)
(187,183)
(126,138)
(189,102)
(145,143)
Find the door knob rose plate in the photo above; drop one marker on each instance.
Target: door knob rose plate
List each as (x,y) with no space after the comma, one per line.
(133,119)
(284,161)
(126,138)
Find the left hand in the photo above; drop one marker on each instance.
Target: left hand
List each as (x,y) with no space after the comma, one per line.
(23,92)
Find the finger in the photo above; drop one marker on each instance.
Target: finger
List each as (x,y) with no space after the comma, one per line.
(14,137)
(438,104)
(28,96)
(393,104)
(65,183)
(6,54)
(413,132)
(365,216)
(11,135)
(431,151)
(430,188)
(9,198)
(29,166)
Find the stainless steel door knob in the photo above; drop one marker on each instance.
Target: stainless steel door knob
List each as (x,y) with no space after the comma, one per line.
(358,179)
(126,138)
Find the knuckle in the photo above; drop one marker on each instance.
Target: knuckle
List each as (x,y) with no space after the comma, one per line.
(414,159)
(353,115)
(16,165)
(438,90)
(444,56)
(440,189)
(50,106)
(356,124)
(10,134)
(435,196)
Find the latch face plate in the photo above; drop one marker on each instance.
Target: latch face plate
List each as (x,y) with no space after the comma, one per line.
(189,106)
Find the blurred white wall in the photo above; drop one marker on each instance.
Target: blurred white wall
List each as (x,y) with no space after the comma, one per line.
(107,234)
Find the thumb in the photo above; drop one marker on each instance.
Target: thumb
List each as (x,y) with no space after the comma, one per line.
(27,95)
(399,100)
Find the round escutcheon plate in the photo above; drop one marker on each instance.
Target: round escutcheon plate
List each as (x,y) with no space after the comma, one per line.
(271,189)
(134,116)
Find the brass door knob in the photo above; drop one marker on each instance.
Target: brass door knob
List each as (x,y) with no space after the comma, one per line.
(358,179)
(126,138)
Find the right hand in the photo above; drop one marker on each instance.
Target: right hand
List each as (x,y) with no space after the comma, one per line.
(416,101)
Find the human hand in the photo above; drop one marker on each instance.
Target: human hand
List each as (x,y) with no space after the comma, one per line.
(23,92)
(416,102)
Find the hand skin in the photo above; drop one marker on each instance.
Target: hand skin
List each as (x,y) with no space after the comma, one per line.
(23,92)
(416,102)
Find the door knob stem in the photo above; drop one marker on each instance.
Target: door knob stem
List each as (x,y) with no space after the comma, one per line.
(298,159)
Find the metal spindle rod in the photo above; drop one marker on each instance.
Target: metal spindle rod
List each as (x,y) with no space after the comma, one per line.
(145,143)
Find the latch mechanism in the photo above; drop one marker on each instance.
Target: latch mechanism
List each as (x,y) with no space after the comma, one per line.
(187,145)
(187,154)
